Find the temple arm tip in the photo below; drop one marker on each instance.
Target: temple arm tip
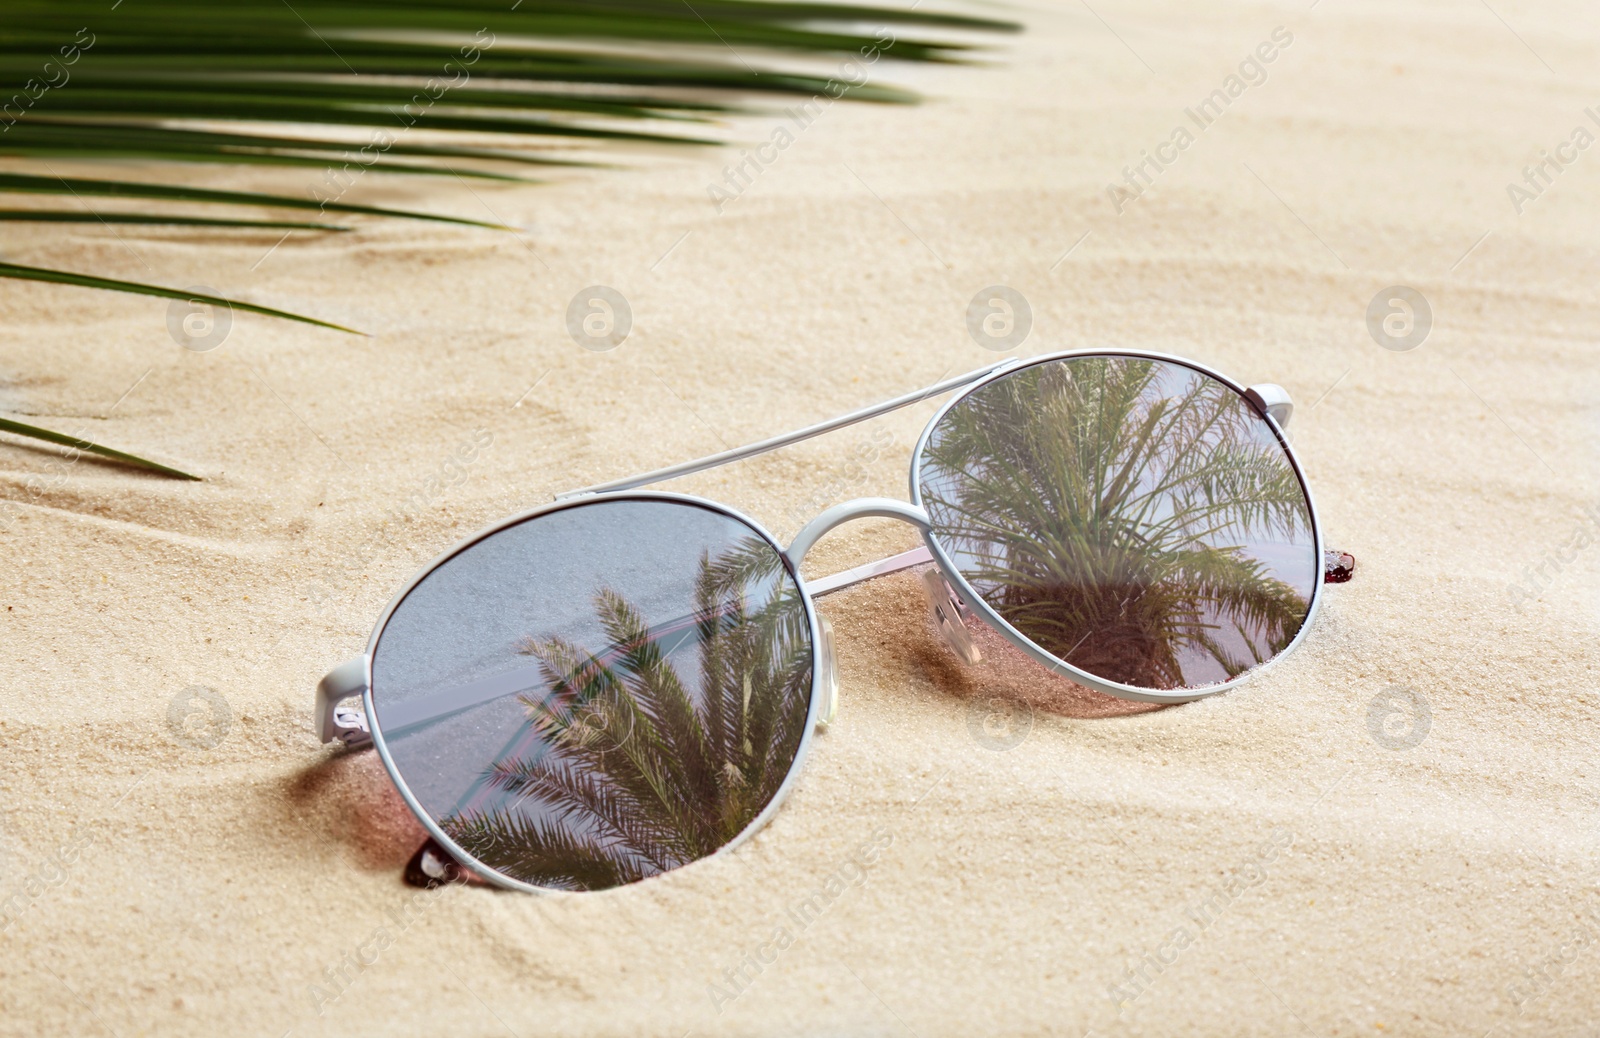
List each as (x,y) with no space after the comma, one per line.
(335,718)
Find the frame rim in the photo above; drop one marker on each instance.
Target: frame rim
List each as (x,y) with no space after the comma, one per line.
(1058,666)
(762,818)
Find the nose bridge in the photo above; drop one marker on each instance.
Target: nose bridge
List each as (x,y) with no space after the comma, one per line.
(861,508)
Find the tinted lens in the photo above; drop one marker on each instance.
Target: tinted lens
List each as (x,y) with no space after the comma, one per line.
(1135,518)
(600,693)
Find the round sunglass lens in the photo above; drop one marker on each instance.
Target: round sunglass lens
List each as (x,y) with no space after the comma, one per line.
(599,693)
(1135,518)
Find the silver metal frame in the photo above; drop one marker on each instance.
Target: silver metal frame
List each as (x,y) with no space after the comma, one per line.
(335,720)
(751,450)
(822,679)
(1264,398)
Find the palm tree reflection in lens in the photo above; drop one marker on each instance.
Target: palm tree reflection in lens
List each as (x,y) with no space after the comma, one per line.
(1125,515)
(639,765)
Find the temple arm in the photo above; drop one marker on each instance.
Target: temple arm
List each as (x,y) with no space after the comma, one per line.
(751,450)
(336,715)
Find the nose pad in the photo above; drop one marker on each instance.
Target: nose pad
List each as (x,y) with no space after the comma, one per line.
(830,674)
(949,615)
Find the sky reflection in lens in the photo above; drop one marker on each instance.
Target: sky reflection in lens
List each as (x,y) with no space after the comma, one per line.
(600,693)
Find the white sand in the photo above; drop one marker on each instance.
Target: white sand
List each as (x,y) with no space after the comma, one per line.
(210,889)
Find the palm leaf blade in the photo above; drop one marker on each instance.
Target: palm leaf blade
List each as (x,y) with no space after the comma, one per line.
(27,184)
(36,433)
(59,216)
(63,277)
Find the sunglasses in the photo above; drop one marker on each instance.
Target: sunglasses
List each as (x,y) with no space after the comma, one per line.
(624,682)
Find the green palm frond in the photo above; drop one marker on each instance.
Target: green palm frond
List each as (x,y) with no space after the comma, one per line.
(148,220)
(398,87)
(353,78)
(45,137)
(36,433)
(58,277)
(146,80)
(20,183)
(17,272)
